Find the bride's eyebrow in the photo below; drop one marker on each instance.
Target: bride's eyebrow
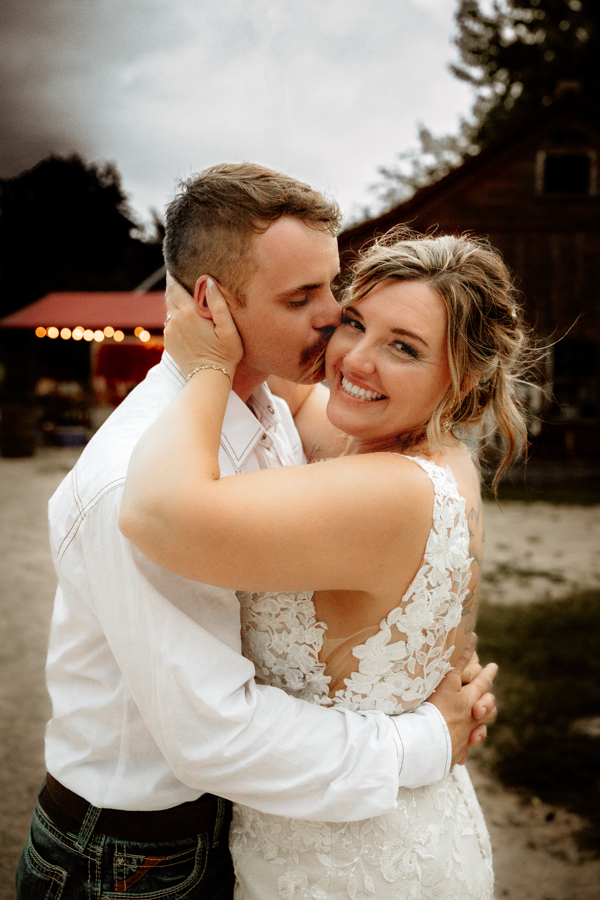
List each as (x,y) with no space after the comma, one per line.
(401,332)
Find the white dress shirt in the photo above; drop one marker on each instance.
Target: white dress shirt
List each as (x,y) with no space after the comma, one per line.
(152,702)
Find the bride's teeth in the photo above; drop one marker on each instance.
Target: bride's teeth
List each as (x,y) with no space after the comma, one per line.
(359,392)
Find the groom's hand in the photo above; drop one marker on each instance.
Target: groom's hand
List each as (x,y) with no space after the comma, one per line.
(463,697)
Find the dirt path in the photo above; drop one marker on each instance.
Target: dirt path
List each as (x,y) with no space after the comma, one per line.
(529,550)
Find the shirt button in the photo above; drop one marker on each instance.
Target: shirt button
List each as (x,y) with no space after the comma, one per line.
(263,437)
(270,409)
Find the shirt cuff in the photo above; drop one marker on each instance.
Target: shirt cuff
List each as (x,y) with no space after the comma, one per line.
(426,747)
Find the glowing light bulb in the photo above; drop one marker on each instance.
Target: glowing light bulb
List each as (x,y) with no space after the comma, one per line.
(109,331)
(65,333)
(144,336)
(98,335)
(77,333)
(40,331)
(118,335)
(137,331)
(88,334)
(52,332)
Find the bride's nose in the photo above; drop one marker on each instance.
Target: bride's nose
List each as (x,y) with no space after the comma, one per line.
(359,360)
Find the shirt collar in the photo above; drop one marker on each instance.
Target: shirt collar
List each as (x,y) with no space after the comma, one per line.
(242,428)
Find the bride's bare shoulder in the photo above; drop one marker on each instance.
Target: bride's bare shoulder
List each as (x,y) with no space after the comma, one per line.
(396,483)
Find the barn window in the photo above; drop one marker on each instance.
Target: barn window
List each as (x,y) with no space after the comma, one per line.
(566,172)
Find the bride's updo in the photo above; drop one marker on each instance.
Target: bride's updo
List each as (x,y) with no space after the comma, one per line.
(487,338)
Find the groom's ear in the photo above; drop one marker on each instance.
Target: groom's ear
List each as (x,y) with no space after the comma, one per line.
(200,297)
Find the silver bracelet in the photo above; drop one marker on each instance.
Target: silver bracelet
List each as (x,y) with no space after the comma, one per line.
(217,368)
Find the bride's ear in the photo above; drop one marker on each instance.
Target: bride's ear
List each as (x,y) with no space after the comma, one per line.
(200,297)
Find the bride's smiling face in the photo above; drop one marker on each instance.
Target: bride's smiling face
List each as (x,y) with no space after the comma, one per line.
(387,363)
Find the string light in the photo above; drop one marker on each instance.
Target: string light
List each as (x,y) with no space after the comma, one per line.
(89,334)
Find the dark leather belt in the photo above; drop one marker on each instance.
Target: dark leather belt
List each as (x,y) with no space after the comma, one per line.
(68,810)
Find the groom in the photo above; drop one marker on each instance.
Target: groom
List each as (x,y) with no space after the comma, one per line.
(155,714)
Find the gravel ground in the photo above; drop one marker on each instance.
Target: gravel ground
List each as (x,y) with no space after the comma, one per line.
(533,551)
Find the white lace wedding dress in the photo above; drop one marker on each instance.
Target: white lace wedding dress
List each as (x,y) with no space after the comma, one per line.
(435,845)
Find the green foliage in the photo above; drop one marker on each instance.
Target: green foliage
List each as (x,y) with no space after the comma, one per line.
(548,686)
(518,57)
(66,225)
(521,53)
(415,169)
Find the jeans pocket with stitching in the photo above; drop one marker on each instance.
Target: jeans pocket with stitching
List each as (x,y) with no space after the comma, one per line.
(38,879)
(155,871)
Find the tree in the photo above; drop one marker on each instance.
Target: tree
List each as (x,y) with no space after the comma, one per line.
(517,57)
(417,168)
(66,225)
(521,53)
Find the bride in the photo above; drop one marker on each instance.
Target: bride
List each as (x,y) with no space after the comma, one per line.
(361,573)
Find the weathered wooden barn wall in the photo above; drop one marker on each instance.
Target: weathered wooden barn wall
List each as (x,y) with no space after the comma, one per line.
(535,196)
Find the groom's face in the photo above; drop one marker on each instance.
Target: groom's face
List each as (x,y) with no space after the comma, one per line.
(290,310)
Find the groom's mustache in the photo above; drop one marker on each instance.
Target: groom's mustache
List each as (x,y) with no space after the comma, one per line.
(310,354)
(313,357)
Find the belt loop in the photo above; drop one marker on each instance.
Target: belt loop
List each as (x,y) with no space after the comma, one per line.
(87,827)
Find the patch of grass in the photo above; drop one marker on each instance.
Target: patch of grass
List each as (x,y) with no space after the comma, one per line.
(549,658)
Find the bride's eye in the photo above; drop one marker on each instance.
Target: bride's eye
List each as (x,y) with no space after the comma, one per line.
(406,348)
(354,323)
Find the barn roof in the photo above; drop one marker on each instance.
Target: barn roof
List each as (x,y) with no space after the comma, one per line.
(67,309)
(570,103)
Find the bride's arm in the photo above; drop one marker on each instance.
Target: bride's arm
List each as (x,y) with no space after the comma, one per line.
(351,523)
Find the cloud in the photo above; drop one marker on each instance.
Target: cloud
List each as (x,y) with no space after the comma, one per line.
(325,89)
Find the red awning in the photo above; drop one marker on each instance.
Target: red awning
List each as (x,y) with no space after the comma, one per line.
(121,309)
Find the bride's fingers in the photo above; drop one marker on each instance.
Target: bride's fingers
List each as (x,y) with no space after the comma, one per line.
(223,321)
(176,295)
(217,304)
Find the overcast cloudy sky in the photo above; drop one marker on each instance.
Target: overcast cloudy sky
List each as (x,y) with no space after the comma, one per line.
(326,90)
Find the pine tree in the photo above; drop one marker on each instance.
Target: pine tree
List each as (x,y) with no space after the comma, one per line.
(518,57)
(521,53)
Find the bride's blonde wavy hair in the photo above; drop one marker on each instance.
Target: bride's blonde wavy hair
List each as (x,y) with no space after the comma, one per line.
(487,339)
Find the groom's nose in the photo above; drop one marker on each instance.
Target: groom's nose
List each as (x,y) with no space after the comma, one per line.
(327,313)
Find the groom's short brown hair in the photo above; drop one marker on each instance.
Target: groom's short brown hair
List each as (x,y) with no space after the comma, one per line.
(212,219)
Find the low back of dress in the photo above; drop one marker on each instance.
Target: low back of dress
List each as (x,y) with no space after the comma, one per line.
(435,844)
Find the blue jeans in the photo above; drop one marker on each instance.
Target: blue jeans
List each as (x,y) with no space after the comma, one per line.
(91,866)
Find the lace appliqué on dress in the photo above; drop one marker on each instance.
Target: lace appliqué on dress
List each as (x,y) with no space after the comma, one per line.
(395,675)
(435,845)
(282,638)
